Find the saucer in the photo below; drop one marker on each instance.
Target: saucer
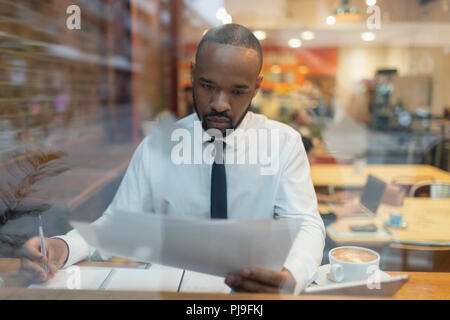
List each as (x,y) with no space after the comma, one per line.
(323,272)
(395,226)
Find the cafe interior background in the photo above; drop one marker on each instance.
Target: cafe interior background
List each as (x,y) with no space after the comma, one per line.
(368,82)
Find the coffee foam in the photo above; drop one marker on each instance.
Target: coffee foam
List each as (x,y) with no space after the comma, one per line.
(353,255)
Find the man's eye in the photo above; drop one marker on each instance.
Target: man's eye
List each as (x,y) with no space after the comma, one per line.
(237,92)
(206,86)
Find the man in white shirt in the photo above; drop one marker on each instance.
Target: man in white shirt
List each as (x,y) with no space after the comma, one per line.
(225,78)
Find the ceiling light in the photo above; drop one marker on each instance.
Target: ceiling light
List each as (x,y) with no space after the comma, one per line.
(308,35)
(295,43)
(331,20)
(260,35)
(368,36)
(221,13)
(371,2)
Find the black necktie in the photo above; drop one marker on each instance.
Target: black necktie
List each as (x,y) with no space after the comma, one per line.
(218,184)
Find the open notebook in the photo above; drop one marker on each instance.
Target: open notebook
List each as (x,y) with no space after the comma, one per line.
(156,278)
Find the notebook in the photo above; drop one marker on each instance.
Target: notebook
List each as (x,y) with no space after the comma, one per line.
(100,278)
(156,278)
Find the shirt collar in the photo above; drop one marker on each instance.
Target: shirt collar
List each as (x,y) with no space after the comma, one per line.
(229,139)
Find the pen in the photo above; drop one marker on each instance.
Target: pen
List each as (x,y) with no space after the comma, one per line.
(41,236)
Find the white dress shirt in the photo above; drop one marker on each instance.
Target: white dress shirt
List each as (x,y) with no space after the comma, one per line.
(153,183)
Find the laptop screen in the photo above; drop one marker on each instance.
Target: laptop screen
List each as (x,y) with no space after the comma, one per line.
(372,193)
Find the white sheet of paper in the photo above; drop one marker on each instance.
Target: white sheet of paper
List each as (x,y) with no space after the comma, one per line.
(158,279)
(90,278)
(215,247)
(201,282)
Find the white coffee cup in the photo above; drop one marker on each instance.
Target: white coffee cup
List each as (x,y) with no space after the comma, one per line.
(352,263)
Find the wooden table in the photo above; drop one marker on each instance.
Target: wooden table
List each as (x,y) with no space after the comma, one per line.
(428,223)
(335,175)
(421,285)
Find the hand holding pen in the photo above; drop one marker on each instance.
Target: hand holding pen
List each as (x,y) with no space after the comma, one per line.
(42,257)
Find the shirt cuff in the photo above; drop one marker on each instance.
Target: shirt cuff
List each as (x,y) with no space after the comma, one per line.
(78,249)
(304,271)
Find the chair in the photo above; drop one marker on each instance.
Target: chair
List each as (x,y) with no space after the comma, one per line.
(433,189)
(406,182)
(440,190)
(324,159)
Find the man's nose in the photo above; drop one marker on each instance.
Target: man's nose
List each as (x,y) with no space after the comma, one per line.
(220,102)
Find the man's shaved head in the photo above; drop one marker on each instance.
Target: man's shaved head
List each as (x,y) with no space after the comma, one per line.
(225,76)
(235,35)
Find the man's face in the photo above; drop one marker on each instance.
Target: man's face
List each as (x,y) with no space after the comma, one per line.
(225,79)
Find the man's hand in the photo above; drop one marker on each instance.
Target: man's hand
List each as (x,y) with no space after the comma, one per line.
(262,281)
(33,261)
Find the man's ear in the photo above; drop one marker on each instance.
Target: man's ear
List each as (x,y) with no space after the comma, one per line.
(257,85)
(192,72)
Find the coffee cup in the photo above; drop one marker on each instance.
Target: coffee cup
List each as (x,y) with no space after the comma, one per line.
(395,219)
(352,263)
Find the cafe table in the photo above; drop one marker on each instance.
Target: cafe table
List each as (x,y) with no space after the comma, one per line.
(427,223)
(351,176)
(420,285)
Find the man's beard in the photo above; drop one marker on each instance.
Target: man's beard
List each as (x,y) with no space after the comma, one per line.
(217,114)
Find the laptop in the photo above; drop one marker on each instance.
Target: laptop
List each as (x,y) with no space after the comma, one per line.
(369,201)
